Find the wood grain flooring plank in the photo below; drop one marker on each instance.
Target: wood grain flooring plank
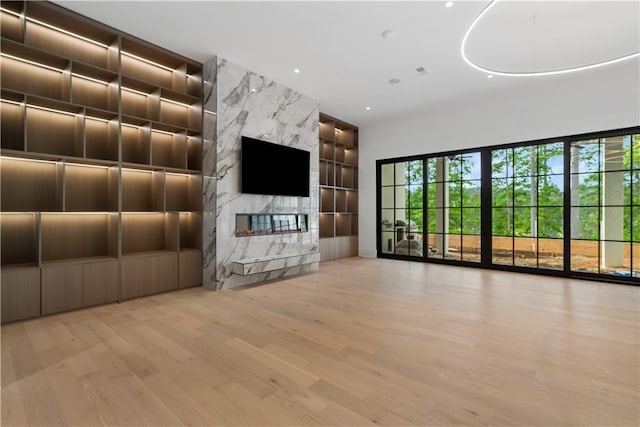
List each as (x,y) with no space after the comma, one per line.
(361,342)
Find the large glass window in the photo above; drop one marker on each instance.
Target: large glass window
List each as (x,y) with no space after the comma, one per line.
(570,206)
(453,212)
(402,198)
(527,206)
(605,206)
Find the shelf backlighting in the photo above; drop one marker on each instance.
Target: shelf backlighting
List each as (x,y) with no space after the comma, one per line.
(11,12)
(98,119)
(90,79)
(127,89)
(175,102)
(163,132)
(86,165)
(139,58)
(21,159)
(69,33)
(27,61)
(71,213)
(49,67)
(52,110)
(180,174)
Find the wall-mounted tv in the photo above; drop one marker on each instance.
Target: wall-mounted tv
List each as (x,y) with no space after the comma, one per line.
(273,169)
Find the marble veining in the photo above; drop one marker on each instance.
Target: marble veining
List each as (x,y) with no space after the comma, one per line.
(248,104)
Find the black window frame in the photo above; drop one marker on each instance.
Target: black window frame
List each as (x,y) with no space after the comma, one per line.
(486,209)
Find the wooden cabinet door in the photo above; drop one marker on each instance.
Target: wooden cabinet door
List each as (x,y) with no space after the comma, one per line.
(164,276)
(20,293)
(190,268)
(101,281)
(62,287)
(136,276)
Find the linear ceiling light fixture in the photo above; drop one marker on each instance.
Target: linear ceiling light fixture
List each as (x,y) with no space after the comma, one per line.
(491,4)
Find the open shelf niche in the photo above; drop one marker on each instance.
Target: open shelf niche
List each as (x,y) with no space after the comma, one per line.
(101,163)
(338,188)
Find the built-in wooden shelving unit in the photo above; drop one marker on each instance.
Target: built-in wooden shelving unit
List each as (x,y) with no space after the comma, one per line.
(101,164)
(338,189)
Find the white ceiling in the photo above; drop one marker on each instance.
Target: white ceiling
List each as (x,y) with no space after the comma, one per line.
(346,64)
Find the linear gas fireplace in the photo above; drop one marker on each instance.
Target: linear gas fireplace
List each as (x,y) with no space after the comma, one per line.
(264,224)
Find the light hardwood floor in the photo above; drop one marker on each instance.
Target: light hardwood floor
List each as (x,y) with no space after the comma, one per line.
(362,342)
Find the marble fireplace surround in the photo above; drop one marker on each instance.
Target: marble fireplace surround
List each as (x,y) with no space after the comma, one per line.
(239,102)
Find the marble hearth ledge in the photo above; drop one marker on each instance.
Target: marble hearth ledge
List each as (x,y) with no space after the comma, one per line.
(248,266)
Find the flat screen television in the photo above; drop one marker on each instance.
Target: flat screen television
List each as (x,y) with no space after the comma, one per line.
(273,169)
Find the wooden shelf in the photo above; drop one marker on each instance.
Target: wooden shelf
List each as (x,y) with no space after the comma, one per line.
(343,225)
(327,225)
(12,119)
(149,232)
(160,68)
(101,165)
(326,150)
(90,188)
(338,188)
(20,233)
(194,152)
(54,129)
(190,231)
(168,149)
(136,141)
(341,201)
(339,153)
(327,129)
(94,87)
(351,156)
(184,192)
(11,22)
(140,99)
(79,235)
(348,177)
(69,35)
(327,199)
(101,135)
(30,185)
(345,135)
(331,174)
(352,201)
(142,191)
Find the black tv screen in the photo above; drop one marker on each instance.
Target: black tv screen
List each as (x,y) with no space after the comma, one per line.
(273,169)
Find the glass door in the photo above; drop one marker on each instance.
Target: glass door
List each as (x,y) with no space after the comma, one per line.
(453,200)
(401,208)
(527,198)
(605,206)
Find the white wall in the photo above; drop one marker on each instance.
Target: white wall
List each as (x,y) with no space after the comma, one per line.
(577,103)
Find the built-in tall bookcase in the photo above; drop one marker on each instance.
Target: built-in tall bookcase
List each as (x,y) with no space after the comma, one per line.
(101,164)
(338,189)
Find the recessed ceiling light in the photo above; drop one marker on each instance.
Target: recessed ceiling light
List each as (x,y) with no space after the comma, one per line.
(490,76)
(253,90)
(394,81)
(367,108)
(296,70)
(388,34)
(448,4)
